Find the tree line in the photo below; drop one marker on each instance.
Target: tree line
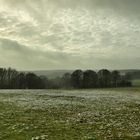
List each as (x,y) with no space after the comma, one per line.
(12,79)
(102,79)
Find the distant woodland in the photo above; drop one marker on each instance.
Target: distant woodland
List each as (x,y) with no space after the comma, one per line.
(12,79)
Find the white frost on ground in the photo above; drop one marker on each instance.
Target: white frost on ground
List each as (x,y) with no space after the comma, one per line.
(106,109)
(44,98)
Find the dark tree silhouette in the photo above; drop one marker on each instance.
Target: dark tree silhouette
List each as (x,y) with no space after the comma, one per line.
(12,79)
(8,78)
(124,82)
(21,80)
(104,78)
(77,79)
(90,79)
(3,73)
(128,76)
(66,80)
(115,78)
(32,81)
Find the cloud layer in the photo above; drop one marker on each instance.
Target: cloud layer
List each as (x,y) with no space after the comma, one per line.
(69,34)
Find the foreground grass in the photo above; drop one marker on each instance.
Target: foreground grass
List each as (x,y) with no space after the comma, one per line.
(111,117)
(19,124)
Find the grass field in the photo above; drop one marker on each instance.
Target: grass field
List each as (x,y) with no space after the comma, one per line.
(109,114)
(136,83)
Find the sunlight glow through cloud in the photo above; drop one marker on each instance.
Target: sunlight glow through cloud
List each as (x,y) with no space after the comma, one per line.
(59,35)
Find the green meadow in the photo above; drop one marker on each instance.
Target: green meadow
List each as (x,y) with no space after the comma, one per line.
(106,114)
(136,83)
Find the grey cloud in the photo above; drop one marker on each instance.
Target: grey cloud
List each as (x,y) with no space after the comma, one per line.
(19,55)
(57,34)
(13,46)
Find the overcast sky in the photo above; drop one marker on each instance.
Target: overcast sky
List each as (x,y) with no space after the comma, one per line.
(70,34)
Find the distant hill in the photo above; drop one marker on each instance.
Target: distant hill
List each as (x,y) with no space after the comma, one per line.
(129,71)
(52,73)
(59,73)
